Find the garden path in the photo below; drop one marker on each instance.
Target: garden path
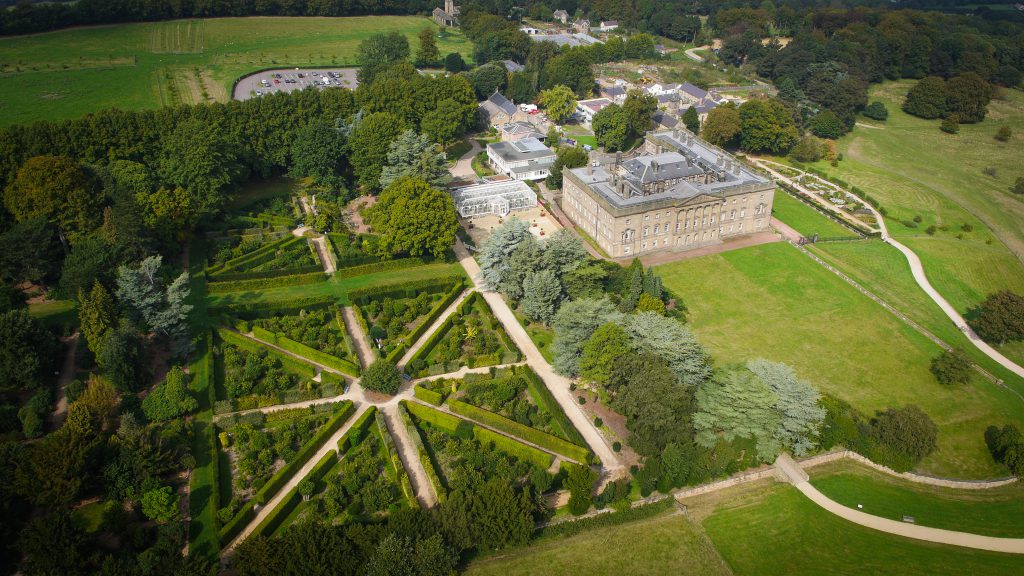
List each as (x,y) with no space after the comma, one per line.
(796,476)
(364,351)
(463,169)
(410,457)
(917,270)
(692,53)
(556,383)
(67,373)
(299,476)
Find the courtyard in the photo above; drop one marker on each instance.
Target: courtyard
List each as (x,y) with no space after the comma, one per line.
(542,224)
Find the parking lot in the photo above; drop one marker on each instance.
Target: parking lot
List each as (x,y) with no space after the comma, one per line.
(290,79)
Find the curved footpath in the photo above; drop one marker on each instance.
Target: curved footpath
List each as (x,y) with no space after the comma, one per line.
(917,270)
(796,476)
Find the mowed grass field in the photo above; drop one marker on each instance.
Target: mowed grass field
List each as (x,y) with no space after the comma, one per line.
(773,302)
(884,270)
(993,512)
(664,545)
(914,169)
(69,73)
(806,220)
(766,529)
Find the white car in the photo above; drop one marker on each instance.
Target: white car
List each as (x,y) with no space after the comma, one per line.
(259,93)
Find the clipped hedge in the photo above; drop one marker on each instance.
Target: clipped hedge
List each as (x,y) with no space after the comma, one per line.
(427,395)
(242,519)
(375,267)
(323,358)
(542,396)
(574,527)
(401,474)
(521,451)
(532,435)
(229,276)
(435,313)
(406,289)
(308,449)
(321,468)
(264,283)
(289,363)
(442,421)
(262,254)
(284,307)
(425,460)
(357,431)
(278,514)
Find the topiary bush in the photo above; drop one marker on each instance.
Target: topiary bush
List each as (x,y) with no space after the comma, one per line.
(382,376)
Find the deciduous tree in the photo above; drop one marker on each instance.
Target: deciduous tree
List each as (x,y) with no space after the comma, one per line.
(369,144)
(170,399)
(999,318)
(722,125)
(58,189)
(558,102)
(767,126)
(927,98)
(691,120)
(414,218)
(427,54)
(27,353)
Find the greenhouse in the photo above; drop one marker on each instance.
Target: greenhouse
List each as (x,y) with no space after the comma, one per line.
(498,198)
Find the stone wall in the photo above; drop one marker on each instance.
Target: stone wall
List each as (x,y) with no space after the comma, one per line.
(919,478)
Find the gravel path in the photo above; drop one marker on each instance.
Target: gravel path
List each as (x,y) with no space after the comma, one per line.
(67,373)
(410,458)
(796,476)
(433,328)
(917,270)
(299,476)
(364,350)
(557,384)
(463,169)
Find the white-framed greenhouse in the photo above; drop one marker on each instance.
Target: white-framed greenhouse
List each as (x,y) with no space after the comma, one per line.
(494,198)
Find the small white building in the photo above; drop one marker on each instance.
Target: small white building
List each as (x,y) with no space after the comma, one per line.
(587,108)
(499,198)
(608,26)
(662,89)
(524,159)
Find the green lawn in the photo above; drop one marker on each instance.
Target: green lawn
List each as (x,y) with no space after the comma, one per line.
(913,169)
(68,73)
(767,529)
(202,529)
(771,301)
(884,270)
(335,286)
(663,545)
(994,512)
(806,220)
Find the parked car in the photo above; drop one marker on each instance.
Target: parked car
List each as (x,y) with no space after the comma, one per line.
(259,93)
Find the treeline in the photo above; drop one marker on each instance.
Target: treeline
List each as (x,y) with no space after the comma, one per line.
(836,54)
(29,18)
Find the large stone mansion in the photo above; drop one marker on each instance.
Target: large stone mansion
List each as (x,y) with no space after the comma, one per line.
(679,193)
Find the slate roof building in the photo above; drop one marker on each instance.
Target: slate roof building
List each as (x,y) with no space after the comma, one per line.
(447,16)
(680,193)
(498,110)
(561,15)
(525,159)
(616,94)
(519,130)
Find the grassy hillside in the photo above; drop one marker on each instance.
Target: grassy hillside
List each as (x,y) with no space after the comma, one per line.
(68,73)
(768,528)
(663,545)
(773,302)
(916,170)
(993,512)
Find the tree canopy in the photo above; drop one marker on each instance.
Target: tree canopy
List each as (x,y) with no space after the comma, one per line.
(414,218)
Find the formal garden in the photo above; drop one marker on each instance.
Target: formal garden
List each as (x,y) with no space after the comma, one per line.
(470,337)
(259,452)
(395,317)
(321,329)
